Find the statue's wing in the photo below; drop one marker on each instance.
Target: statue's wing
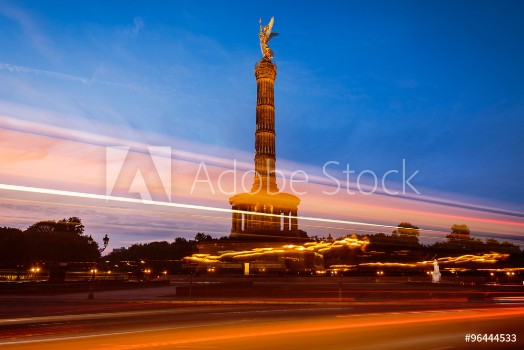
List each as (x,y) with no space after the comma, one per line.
(270,27)
(271,36)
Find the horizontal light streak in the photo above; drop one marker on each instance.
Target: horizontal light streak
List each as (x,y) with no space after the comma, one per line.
(47,155)
(265,254)
(430,234)
(127,210)
(107,198)
(227,333)
(200,335)
(488,258)
(225,219)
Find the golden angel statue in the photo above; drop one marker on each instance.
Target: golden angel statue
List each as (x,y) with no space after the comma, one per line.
(265,35)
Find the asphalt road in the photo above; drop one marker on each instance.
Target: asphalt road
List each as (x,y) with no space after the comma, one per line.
(348,325)
(283,314)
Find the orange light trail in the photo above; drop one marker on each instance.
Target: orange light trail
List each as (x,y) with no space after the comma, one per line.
(317,247)
(488,258)
(169,338)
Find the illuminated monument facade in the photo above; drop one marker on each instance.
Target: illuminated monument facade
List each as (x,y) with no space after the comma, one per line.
(265,213)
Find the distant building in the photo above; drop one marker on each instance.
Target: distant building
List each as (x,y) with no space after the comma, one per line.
(119,250)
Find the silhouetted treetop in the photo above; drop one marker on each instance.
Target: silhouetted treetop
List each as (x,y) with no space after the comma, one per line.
(459,232)
(158,250)
(48,240)
(460,229)
(73,225)
(407,229)
(202,237)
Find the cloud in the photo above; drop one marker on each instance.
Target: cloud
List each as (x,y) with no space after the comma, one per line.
(138,24)
(66,77)
(45,73)
(31,28)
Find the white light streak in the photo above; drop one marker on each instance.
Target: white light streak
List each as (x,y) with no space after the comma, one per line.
(108,198)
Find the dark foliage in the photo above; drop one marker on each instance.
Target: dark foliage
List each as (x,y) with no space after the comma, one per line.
(156,251)
(50,241)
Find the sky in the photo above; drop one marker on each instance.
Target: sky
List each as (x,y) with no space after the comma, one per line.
(434,88)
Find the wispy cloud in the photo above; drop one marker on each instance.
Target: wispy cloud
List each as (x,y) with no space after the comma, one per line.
(45,73)
(62,76)
(138,24)
(31,28)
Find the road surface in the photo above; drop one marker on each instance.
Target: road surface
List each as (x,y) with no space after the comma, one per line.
(347,325)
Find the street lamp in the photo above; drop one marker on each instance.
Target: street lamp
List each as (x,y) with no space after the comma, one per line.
(34,273)
(90,240)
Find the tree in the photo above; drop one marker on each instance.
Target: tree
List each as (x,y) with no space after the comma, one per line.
(158,250)
(182,248)
(73,224)
(202,237)
(406,229)
(302,234)
(11,239)
(406,233)
(459,231)
(43,226)
(49,241)
(9,230)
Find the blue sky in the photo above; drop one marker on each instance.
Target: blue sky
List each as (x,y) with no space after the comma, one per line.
(438,83)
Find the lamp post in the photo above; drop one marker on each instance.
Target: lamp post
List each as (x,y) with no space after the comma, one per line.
(93,270)
(146,273)
(34,273)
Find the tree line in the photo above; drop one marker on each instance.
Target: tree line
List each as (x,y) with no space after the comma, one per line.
(50,240)
(65,241)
